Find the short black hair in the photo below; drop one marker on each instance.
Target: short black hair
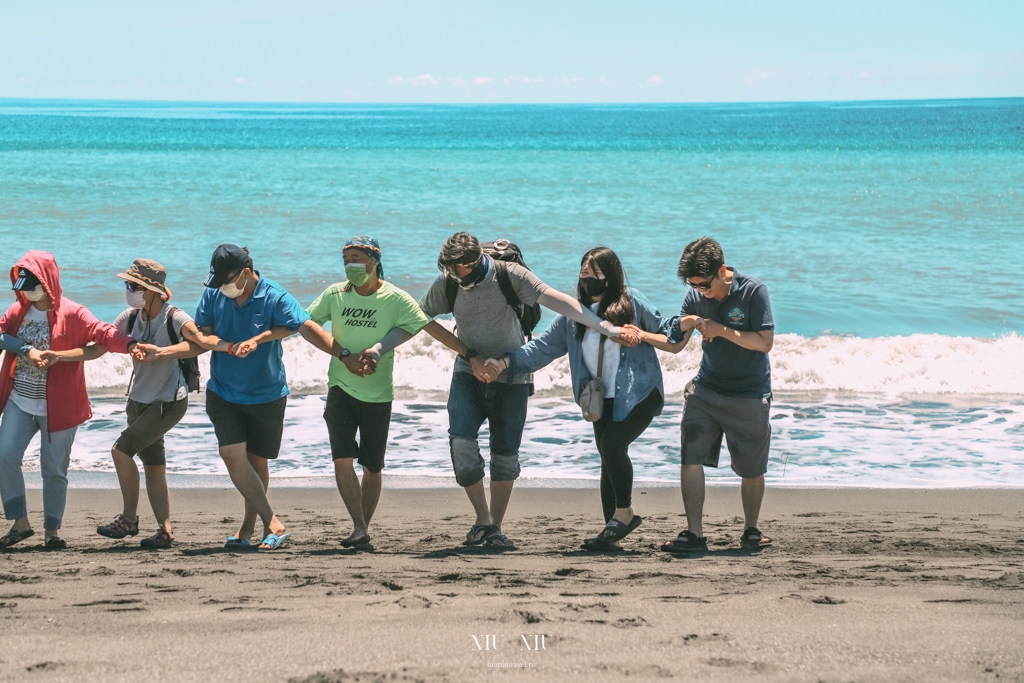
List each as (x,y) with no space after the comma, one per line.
(701,258)
(458,249)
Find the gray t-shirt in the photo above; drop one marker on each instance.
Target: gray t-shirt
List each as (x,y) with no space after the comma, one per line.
(484,320)
(159,381)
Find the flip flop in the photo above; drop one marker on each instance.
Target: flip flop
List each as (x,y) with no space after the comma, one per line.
(615,530)
(12,537)
(234,542)
(273,541)
(484,530)
(349,543)
(597,545)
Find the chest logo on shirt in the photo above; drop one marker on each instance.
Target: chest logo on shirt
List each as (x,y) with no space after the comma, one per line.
(736,316)
(359,317)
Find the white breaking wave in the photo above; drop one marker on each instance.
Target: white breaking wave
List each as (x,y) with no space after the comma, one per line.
(917,364)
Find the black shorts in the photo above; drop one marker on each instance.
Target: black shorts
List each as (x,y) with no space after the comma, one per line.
(709,415)
(258,426)
(345,415)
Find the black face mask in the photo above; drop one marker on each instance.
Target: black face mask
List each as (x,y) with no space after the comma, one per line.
(593,286)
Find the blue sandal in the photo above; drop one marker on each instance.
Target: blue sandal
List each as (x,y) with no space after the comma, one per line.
(273,541)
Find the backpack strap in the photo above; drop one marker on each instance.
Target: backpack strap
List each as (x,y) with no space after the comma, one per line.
(451,290)
(132,317)
(170,325)
(505,283)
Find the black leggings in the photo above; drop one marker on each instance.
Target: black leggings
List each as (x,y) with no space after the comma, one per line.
(613,439)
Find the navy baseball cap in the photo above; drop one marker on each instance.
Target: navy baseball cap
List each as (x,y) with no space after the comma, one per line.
(26,280)
(227,259)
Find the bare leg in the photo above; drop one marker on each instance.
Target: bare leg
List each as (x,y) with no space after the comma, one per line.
(371,493)
(128,478)
(21,524)
(692,484)
(501,491)
(751,493)
(351,495)
(251,476)
(159,496)
(478,498)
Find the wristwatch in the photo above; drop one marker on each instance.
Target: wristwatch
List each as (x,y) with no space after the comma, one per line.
(470,354)
(345,353)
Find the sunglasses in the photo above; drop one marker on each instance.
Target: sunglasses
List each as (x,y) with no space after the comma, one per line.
(133,286)
(706,285)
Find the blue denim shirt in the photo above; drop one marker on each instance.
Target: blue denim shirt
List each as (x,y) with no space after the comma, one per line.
(639,370)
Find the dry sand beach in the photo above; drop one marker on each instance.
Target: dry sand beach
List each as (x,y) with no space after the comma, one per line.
(862,585)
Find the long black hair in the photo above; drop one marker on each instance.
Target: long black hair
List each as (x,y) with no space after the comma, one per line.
(616,305)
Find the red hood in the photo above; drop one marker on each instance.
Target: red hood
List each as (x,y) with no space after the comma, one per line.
(43,266)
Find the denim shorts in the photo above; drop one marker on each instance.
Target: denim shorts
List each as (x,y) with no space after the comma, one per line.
(503,406)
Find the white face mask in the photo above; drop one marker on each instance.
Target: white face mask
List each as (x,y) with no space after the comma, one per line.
(37,294)
(231,291)
(136,299)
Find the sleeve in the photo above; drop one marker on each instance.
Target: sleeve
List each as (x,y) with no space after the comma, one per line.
(8,316)
(543,350)
(179,320)
(528,286)
(760,312)
(410,317)
(320,309)
(670,328)
(204,311)
(104,334)
(435,302)
(121,322)
(288,312)
(648,318)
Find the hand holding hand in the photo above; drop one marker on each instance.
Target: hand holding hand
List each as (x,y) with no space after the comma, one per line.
(484,370)
(709,329)
(496,366)
(38,359)
(243,349)
(631,336)
(368,362)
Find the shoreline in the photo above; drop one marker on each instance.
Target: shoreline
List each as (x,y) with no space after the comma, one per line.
(860,585)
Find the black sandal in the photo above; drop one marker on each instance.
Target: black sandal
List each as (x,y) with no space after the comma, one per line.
(615,530)
(14,536)
(686,542)
(596,545)
(484,530)
(753,539)
(56,543)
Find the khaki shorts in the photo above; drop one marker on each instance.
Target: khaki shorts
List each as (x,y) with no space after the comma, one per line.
(709,415)
(147,424)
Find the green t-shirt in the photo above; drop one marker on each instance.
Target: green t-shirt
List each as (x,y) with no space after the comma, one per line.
(359,322)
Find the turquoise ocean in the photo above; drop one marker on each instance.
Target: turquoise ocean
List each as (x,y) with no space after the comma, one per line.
(890,236)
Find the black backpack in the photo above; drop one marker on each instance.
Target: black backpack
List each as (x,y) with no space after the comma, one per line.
(189,366)
(503,252)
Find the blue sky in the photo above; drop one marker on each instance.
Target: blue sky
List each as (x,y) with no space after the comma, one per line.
(513,51)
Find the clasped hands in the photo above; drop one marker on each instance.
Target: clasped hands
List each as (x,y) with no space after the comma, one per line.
(42,359)
(709,329)
(363,363)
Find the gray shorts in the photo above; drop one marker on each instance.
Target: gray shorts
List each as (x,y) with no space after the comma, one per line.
(708,415)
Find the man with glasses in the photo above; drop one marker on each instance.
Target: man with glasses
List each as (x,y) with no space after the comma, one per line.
(490,328)
(731,394)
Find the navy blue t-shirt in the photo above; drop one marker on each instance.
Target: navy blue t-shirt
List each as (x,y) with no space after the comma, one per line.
(727,368)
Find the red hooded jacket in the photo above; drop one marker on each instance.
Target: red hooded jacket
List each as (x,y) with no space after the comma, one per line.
(71,326)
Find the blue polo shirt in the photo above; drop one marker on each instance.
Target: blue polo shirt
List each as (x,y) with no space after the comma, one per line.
(727,368)
(259,377)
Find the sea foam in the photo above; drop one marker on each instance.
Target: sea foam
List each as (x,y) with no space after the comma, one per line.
(915,364)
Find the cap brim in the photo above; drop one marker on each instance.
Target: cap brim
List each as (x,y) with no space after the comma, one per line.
(214,281)
(126,276)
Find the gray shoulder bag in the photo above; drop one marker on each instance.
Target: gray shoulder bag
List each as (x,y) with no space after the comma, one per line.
(592,393)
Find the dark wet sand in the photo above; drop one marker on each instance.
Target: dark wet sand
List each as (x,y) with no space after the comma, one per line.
(862,585)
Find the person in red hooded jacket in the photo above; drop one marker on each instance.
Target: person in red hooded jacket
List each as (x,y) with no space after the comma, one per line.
(42,389)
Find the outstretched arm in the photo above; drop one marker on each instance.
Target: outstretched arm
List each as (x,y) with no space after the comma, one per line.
(660,341)
(564,304)
(44,359)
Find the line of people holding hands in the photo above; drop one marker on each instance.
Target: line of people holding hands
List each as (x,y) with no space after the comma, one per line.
(608,330)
